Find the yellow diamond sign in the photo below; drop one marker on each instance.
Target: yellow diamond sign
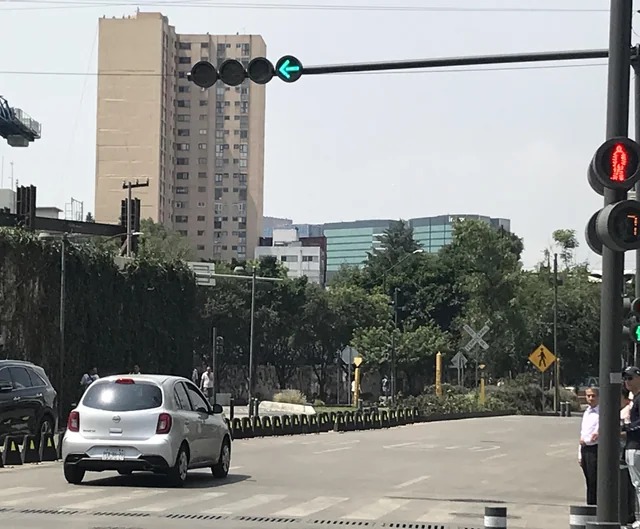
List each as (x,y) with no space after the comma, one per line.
(357,361)
(542,358)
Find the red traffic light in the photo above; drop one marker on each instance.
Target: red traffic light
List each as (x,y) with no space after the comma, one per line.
(616,165)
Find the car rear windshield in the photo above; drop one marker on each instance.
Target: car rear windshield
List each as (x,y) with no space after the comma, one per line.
(112,396)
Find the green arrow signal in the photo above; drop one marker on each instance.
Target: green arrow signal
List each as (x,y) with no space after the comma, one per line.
(636,332)
(286,69)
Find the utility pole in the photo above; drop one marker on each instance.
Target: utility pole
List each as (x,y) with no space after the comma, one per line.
(63,273)
(251,331)
(393,344)
(556,385)
(613,273)
(214,346)
(129,186)
(636,85)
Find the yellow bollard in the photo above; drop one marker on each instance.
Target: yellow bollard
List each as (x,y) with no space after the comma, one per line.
(482,393)
(439,374)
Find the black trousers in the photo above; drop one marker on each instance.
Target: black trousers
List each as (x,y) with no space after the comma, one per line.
(590,470)
(627,498)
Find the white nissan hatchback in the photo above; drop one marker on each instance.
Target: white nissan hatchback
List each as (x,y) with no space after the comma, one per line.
(156,423)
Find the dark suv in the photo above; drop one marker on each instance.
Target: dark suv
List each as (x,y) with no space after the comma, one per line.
(28,401)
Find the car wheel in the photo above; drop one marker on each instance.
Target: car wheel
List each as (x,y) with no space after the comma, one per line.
(178,472)
(46,426)
(73,474)
(125,472)
(221,468)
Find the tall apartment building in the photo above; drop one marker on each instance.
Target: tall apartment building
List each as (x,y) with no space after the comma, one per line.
(202,150)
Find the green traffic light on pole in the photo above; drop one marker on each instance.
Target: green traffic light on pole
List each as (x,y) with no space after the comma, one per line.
(634,333)
(289,69)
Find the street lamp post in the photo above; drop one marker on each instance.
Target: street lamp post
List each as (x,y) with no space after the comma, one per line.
(395,319)
(251,332)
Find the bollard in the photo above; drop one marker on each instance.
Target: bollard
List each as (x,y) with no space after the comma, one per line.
(563,409)
(495,517)
(580,515)
(568,409)
(255,406)
(231,410)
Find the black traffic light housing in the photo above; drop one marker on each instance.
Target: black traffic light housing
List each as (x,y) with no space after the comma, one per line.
(615,165)
(232,72)
(26,206)
(219,345)
(631,313)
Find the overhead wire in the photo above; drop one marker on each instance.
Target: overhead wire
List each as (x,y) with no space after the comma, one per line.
(78,4)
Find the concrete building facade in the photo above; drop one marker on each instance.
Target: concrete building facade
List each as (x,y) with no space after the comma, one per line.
(201,150)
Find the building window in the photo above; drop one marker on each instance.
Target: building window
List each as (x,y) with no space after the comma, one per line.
(217,193)
(184,103)
(202,174)
(182,176)
(184,233)
(202,204)
(184,60)
(220,134)
(184,117)
(184,46)
(180,219)
(219,162)
(200,233)
(218,178)
(202,161)
(203,132)
(246,50)
(202,189)
(203,117)
(200,218)
(182,75)
(242,207)
(204,45)
(202,146)
(200,247)
(183,146)
(182,161)
(307,258)
(218,208)
(220,91)
(244,134)
(183,132)
(244,107)
(184,89)
(204,102)
(242,163)
(222,49)
(182,190)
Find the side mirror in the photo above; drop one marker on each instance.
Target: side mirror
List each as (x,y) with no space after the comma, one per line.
(5,386)
(217,408)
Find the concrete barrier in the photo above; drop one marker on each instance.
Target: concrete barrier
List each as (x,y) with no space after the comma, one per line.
(495,518)
(581,515)
(268,406)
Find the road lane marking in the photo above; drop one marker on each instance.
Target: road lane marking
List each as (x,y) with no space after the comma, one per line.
(247,503)
(484,448)
(315,505)
(451,447)
(496,456)
(18,490)
(334,450)
(411,482)
(554,453)
(67,494)
(399,445)
(376,510)
(178,502)
(135,495)
(235,468)
(354,441)
(557,445)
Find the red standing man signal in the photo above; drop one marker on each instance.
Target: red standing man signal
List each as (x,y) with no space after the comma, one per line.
(619,163)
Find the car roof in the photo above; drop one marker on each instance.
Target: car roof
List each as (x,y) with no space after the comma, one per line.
(7,362)
(161,380)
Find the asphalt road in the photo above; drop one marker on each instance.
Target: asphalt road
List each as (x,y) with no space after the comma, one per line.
(438,473)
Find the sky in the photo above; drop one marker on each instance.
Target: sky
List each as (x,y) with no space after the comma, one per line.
(510,141)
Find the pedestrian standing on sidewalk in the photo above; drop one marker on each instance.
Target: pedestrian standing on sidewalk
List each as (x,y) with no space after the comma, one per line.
(207,383)
(588,450)
(631,378)
(627,490)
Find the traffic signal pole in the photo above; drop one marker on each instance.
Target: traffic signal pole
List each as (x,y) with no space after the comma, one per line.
(636,91)
(613,273)
(129,186)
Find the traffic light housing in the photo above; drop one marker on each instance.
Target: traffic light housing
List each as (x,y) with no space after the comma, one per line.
(631,310)
(26,206)
(219,345)
(616,166)
(134,220)
(232,72)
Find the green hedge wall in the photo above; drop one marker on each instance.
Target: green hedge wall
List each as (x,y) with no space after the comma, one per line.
(145,314)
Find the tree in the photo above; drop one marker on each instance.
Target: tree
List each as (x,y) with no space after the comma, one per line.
(159,242)
(566,243)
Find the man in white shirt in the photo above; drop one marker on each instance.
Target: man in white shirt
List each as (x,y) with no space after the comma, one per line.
(588,450)
(207,383)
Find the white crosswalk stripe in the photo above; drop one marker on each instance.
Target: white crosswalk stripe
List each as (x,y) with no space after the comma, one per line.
(315,505)
(134,495)
(177,503)
(251,502)
(376,510)
(55,496)
(14,491)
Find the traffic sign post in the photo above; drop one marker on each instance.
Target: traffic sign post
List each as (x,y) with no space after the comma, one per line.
(477,340)
(459,362)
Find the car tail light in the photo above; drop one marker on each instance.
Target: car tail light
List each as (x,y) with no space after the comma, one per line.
(125,381)
(164,423)
(73,424)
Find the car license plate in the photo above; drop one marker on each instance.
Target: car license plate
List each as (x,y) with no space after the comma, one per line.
(113,454)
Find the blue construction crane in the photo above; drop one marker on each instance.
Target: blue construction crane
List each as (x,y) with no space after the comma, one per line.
(16,126)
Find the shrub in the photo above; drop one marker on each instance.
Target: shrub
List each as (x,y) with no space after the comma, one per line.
(290,396)
(319,403)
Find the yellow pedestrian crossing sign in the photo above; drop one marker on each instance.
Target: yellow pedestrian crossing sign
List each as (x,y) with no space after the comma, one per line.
(542,358)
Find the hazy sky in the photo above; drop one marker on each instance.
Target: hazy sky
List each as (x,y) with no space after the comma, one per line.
(509,142)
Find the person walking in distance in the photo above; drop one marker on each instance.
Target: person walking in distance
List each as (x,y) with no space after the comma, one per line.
(631,378)
(207,383)
(588,450)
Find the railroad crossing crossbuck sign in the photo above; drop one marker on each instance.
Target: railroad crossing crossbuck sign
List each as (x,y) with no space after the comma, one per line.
(476,337)
(542,358)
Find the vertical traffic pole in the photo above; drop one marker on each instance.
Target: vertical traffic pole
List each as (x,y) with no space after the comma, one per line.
(636,85)
(612,272)
(556,370)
